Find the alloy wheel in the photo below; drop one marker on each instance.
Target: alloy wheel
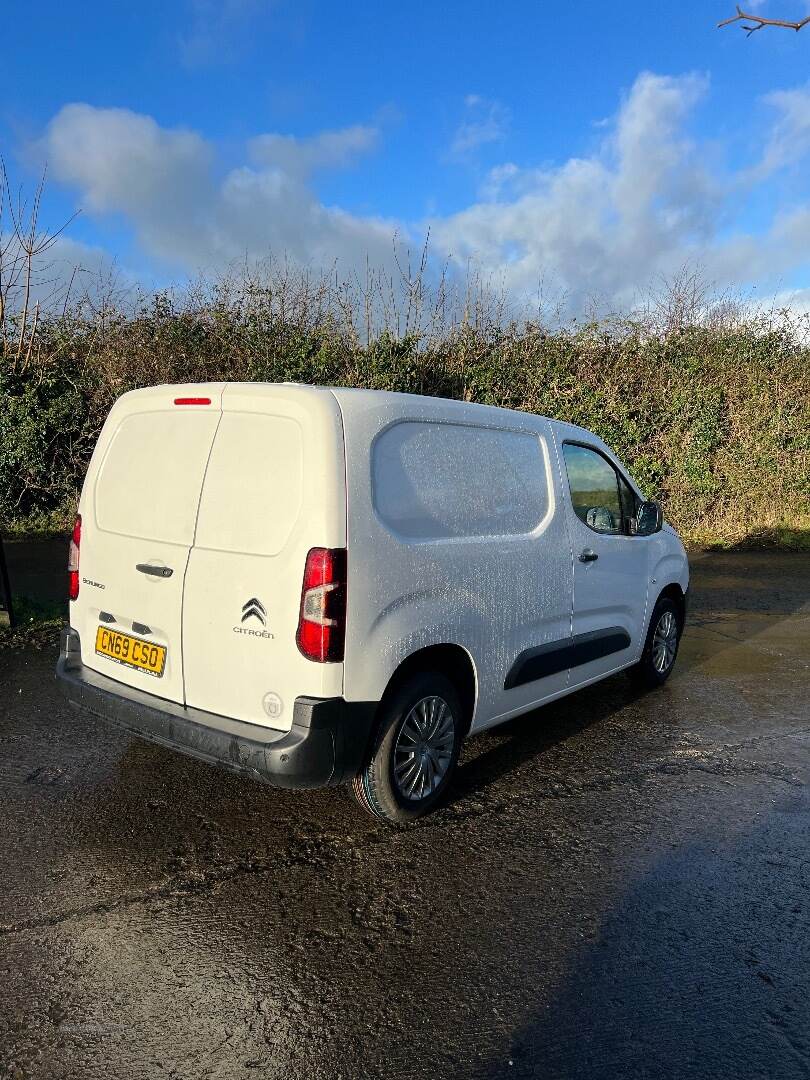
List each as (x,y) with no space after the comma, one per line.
(665,642)
(424,748)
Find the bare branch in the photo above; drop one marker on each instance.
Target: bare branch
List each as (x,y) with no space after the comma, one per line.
(33,334)
(758,22)
(23,271)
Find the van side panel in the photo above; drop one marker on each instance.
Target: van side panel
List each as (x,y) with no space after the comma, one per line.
(273,489)
(423,477)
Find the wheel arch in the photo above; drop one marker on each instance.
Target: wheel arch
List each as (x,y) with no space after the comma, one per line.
(448,659)
(673,591)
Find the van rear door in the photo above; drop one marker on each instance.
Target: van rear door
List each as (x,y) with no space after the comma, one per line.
(139,511)
(274,488)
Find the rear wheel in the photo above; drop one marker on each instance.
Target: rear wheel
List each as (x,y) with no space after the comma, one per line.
(661,646)
(415,751)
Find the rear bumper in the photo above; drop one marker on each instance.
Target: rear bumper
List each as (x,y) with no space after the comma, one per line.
(325,745)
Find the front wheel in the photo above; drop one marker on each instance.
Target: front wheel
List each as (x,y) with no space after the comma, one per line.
(415,751)
(661,646)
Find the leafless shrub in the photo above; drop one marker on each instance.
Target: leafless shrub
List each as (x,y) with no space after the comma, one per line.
(24,269)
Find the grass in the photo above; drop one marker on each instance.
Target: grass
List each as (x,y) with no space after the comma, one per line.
(37,625)
(48,525)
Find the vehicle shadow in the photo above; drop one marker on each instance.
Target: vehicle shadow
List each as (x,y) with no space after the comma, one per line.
(506,748)
(693,971)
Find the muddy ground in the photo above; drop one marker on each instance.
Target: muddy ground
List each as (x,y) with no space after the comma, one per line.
(620,886)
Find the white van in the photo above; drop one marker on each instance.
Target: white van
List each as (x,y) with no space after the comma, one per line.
(315,585)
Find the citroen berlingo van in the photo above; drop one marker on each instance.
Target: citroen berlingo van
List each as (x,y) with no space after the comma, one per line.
(318,585)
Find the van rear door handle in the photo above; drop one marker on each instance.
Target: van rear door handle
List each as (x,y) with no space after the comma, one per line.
(588,555)
(154,571)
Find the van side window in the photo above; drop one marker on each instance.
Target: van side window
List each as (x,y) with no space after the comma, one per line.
(594,486)
(433,481)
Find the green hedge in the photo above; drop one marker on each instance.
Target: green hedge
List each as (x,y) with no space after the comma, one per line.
(714,421)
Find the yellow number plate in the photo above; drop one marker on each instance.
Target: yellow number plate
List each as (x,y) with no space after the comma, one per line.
(132,651)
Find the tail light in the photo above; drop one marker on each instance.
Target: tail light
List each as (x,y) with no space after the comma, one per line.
(322,622)
(73,559)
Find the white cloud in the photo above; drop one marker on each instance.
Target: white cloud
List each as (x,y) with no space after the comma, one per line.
(215,28)
(501,179)
(123,161)
(328,150)
(644,203)
(646,200)
(796,300)
(165,183)
(486,122)
(759,5)
(789,140)
(605,224)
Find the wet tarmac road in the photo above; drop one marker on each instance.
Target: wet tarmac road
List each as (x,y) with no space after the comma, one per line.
(620,887)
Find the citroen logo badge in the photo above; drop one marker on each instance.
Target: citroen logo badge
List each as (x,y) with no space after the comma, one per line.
(254,609)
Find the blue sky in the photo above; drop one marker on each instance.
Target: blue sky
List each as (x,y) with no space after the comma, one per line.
(593,147)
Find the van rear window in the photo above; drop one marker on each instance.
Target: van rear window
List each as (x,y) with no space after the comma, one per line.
(148,485)
(253,487)
(435,481)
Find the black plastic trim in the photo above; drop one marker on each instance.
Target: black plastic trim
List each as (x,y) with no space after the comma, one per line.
(325,745)
(557,656)
(154,571)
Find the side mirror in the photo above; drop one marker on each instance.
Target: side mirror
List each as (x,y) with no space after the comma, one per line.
(649,519)
(600,519)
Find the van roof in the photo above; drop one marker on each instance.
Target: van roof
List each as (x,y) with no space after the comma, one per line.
(350,396)
(393,397)
(359,398)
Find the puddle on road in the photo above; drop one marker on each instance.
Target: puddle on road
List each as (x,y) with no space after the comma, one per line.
(721,658)
(734,646)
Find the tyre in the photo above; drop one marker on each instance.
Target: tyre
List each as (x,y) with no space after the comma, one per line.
(415,752)
(661,646)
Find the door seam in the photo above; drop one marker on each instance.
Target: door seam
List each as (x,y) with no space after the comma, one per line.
(191,548)
(564,496)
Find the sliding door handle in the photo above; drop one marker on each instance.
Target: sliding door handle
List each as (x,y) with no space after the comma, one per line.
(154,571)
(588,555)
